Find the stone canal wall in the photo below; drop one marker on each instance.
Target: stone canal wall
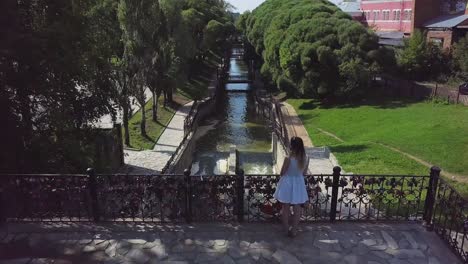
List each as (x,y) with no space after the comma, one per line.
(183,157)
(279,153)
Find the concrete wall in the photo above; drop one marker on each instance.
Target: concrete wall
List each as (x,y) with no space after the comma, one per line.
(446,37)
(108,156)
(279,153)
(183,159)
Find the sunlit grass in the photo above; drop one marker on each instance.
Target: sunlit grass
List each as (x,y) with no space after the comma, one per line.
(436,133)
(153,129)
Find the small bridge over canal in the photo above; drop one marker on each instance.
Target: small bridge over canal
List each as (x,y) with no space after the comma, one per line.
(240,74)
(239,79)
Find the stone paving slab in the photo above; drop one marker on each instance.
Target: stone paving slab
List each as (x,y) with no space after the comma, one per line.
(294,124)
(153,161)
(344,243)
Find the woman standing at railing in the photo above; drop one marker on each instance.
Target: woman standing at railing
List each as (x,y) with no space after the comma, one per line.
(291,190)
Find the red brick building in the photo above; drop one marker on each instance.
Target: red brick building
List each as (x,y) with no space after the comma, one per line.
(444,21)
(389,15)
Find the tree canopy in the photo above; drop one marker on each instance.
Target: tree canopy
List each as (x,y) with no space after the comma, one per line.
(310,47)
(460,55)
(64,64)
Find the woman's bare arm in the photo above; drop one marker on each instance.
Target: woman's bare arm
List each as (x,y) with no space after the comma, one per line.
(285,166)
(306,168)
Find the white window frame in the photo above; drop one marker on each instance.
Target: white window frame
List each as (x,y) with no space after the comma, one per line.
(408,14)
(367,14)
(397,14)
(376,14)
(386,14)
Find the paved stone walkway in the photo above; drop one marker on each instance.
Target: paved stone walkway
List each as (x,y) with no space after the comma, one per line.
(342,243)
(317,164)
(153,161)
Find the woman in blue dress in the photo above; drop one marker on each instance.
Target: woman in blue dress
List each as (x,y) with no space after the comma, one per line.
(291,189)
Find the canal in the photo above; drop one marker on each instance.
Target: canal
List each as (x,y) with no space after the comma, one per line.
(233,123)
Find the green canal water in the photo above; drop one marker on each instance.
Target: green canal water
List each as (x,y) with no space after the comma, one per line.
(234,122)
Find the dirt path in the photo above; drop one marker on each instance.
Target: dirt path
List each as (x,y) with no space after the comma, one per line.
(330,134)
(452,176)
(449,175)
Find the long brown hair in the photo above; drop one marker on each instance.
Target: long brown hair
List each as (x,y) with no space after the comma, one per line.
(298,151)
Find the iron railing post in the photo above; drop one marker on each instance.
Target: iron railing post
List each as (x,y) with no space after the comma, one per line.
(188,196)
(240,194)
(431,196)
(92,186)
(2,208)
(335,185)
(118,128)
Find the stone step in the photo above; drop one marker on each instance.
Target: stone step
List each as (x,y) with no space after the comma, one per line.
(318,153)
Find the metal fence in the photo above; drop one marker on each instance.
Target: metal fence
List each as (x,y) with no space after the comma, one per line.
(235,198)
(270,109)
(410,89)
(448,216)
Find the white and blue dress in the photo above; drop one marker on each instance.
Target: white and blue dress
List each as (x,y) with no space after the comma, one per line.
(291,187)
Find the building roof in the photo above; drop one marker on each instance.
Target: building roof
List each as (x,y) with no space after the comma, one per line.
(391,38)
(447,21)
(352,8)
(392,42)
(390,34)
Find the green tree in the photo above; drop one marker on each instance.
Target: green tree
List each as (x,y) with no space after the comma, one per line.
(439,63)
(384,60)
(460,57)
(56,79)
(241,23)
(107,29)
(183,45)
(144,31)
(216,34)
(310,46)
(413,58)
(422,60)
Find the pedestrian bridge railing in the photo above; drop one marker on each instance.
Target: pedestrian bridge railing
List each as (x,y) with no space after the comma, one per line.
(234,198)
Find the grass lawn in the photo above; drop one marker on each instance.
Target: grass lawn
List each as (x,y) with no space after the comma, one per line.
(153,129)
(436,133)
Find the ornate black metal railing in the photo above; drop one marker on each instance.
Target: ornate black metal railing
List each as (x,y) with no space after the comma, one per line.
(214,198)
(190,126)
(448,215)
(270,109)
(45,197)
(344,197)
(189,120)
(141,198)
(162,198)
(186,198)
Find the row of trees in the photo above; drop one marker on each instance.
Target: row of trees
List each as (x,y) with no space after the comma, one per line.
(420,59)
(64,64)
(460,59)
(312,48)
